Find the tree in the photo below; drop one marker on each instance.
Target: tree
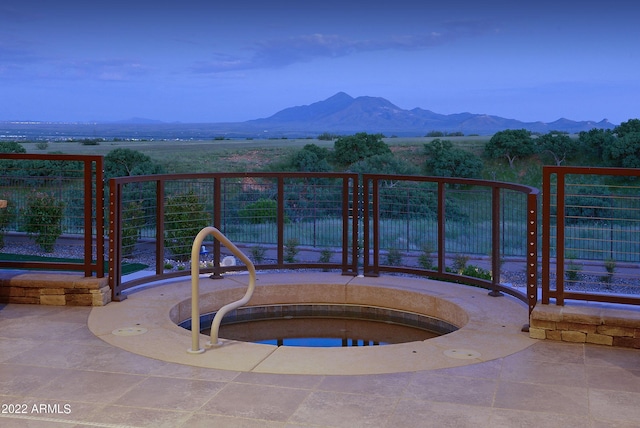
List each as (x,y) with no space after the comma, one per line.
(11,147)
(354,148)
(444,160)
(511,143)
(560,146)
(126,162)
(312,158)
(594,141)
(384,164)
(632,126)
(11,167)
(327,136)
(623,151)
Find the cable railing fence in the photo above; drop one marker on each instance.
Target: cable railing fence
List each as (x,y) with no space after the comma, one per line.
(283,220)
(434,226)
(591,229)
(54,212)
(444,228)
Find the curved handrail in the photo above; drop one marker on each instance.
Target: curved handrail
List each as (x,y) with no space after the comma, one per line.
(195,288)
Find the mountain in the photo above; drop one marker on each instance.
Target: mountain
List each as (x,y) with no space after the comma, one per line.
(340,114)
(343,114)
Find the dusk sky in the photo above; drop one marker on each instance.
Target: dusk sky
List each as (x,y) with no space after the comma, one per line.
(199,61)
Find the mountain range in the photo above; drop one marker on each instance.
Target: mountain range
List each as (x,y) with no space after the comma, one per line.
(343,114)
(340,114)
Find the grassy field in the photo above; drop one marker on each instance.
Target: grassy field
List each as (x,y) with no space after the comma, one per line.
(238,155)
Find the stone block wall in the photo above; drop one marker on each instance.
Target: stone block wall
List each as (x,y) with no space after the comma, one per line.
(602,325)
(54,289)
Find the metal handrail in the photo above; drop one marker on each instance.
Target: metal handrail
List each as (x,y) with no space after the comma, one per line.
(195,289)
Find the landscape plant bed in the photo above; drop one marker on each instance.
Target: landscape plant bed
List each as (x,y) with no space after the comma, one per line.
(127,268)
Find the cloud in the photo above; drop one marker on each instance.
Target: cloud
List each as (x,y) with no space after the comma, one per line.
(114,70)
(104,70)
(17,58)
(278,53)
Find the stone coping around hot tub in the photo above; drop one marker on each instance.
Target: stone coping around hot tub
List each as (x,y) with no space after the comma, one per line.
(334,294)
(602,324)
(49,288)
(490,326)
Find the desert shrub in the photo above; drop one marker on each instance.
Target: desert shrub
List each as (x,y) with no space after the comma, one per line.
(257,253)
(184,217)
(610,267)
(43,219)
(459,263)
(394,257)
(291,250)
(572,273)
(325,256)
(425,259)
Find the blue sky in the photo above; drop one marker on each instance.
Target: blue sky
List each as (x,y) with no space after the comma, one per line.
(199,61)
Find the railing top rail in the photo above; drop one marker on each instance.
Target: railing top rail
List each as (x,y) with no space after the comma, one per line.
(204,175)
(453,180)
(588,170)
(22,156)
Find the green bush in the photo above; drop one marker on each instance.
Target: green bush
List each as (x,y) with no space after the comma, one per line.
(133,220)
(476,272)
(7,216)
(184,218)
(43,219)
(259,212)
